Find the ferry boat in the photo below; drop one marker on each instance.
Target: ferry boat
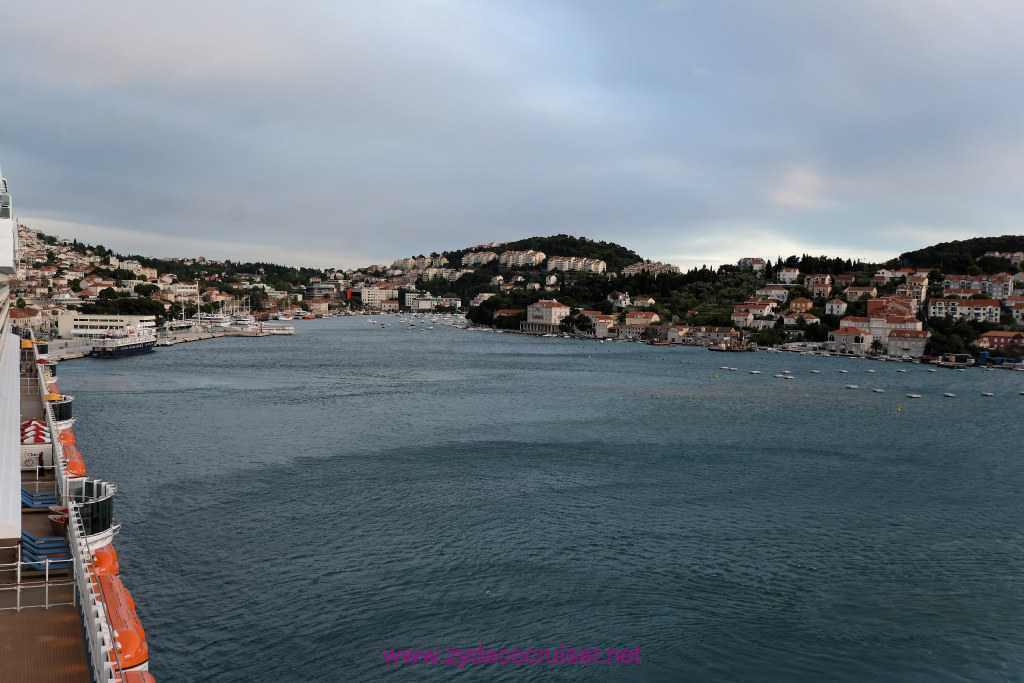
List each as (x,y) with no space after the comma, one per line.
(66,614)
(126,341)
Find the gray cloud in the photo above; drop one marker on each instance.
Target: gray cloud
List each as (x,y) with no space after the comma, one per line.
(352,132)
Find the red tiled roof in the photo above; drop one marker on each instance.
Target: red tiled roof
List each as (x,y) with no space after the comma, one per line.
(20,313)
(998,334)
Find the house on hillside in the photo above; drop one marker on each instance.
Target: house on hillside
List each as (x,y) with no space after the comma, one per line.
(850,340)
(619,299)
(835,307)
(843,281)
(755,264)
(789,276)
(907,343)
(776,292)
(997,339)
(820,285)
(855,293)
(642,318)
(801,305)
(544,317)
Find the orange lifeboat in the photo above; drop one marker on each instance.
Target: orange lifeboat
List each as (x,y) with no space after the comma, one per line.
(130,639)
(137,677)
(67,437)
(105,561)
(76,466)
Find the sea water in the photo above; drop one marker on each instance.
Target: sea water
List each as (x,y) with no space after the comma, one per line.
(293,507)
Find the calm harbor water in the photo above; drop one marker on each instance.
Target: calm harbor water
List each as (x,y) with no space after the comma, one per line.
(293,506)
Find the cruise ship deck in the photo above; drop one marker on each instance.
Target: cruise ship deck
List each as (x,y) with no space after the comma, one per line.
(40,625)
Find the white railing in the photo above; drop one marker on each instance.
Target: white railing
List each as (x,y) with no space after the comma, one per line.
(20,589)
(99,634)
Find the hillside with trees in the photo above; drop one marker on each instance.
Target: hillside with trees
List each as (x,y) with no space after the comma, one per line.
(965,256)
(614,255)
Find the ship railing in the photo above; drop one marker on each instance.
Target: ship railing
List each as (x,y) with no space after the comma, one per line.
(29,386)
(78,489)
(13,581)
(104,659)
(99,634)
(60,462)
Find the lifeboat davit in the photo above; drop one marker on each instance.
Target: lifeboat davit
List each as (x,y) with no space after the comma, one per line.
(130,640)
(76,465)
(105,561)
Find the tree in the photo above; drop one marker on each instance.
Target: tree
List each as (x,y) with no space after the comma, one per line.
(20,303)
(769,336)
(877,346)
(146,289)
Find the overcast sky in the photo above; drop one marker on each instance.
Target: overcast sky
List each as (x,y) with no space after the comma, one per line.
(324,133)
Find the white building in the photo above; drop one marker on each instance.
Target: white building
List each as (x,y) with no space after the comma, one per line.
(587,265)
(755,264)
(980,310)
(75,325)
(478,258)
(374,297)
(907,343)
(999,286)
(184,290)
(648,267)
(850,340)
(544,316)
(519,259)
(835,307)
(788,275)
(776,292)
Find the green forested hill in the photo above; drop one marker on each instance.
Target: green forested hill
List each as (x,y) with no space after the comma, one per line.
(615,255)
(958,256)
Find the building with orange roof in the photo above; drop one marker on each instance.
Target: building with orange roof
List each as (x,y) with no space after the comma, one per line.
(850,340)
(544,317)
(997,339)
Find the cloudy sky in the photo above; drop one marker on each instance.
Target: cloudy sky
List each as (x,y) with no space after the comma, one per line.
(344,133)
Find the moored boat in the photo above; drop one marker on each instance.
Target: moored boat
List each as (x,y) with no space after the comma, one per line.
(126,341)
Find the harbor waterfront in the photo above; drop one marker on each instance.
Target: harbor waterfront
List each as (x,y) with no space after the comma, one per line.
(294,507)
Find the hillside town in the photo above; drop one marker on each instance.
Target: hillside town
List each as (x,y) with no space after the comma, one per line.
(891,323)
(71,290)
(880,311)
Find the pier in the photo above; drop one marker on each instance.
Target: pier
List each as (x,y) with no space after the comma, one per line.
(67,349)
